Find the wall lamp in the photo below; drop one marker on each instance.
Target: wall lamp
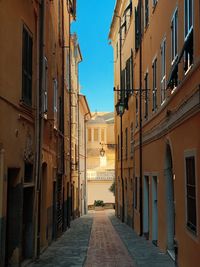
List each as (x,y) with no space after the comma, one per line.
(102,150)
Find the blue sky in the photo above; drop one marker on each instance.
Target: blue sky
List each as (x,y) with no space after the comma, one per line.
(96,70)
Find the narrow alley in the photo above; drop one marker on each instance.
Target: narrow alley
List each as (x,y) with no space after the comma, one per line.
(99,133)
(99,239)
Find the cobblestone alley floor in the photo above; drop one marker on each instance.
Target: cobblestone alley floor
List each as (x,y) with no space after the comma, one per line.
(100,239)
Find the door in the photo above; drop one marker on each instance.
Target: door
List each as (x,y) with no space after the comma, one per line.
(154,210)
(27,228)
(146,207)
(13,216)
(170,202)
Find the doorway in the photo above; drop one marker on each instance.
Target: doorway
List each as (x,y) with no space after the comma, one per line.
(154,210)
(43,208)
(13,215)
(118,198)
(170,202)
(126,203)
(27,229)
(146,208)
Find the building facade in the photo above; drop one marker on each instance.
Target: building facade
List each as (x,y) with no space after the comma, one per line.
(37,80)
(84,116)
(100,167)
(157,102)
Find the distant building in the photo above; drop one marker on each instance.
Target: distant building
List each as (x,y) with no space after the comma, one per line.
(100,168)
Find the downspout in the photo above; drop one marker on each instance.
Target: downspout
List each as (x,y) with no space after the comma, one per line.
(140,124)
(79,210)
(2,152)
(85,165)
(121,115)
(62,115)
(39,126)
(70,113)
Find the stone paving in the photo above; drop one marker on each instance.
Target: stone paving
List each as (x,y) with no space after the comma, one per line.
(71,248)
(142,251)
(99,239)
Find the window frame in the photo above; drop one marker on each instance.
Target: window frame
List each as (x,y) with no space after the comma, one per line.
(55,102)
(146,13)
(45,86)
(136,193)
(174,36)
(131,141)
(126,143)
(154,84)
(27,66)
(191,154)
(146,98)
(163,71)
(187,18)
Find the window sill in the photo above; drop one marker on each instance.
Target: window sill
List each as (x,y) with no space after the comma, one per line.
(27,109)
(188,70)
(45,116)
(154,7)
(23,104)
(192,234)
(174,60)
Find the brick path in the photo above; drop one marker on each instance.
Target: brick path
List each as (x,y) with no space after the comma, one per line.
(106,248)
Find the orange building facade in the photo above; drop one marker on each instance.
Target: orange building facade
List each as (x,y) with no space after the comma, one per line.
(36,84)
(157,83)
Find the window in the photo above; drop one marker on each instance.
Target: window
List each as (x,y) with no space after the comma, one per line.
(132,141)
(55,102)
(146,13)
(28,172)
(126,20)
(188,53)
(188,17)
(146,100)
(102,135)
(137,28)
(154,2)
(163,70)
(136,193)
(129,75)
(128,84)
(67,71)
(118,148)
(27,47)
(154,68)
(136,110)
(126,143)
(191,193)
(45,85)
(89,131)
(96,135)
(117,50)
(174,36)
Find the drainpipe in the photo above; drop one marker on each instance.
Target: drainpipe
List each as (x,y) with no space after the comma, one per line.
(140,124)
(62,116)
(1,180)
(85,164)
(70,111)
(79,210)
(39,125)
(121,115)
